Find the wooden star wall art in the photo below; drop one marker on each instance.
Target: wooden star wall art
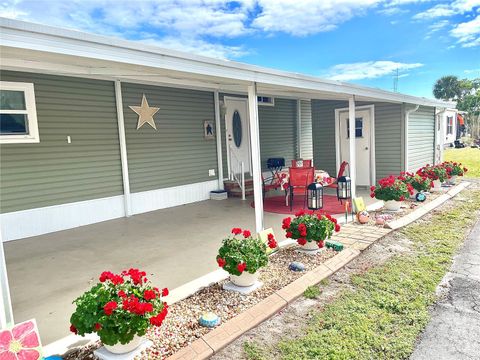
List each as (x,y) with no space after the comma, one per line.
(145,113)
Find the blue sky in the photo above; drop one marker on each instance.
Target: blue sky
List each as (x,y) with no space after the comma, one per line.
(361,41)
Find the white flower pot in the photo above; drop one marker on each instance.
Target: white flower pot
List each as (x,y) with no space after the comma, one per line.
(125,348)
(453,180)
(437,185)
(393,205)
(244,280)
(310,246)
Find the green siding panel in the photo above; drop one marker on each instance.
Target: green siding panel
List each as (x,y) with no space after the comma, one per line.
(54,172)
(388,135)
(176,153)
(421,137)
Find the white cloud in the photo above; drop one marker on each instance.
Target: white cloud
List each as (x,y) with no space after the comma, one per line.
(304,17)
(368,70)
(468,33)
(443,10)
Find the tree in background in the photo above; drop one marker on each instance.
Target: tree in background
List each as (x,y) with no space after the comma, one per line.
(466,92)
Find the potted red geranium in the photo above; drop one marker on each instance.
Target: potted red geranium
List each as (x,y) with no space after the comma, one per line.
(419,183)
(310,229)
(392,190)
(436,173)
(242,255)
(120,309)
(454,169)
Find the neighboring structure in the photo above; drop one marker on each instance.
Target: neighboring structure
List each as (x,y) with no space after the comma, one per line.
(78,143)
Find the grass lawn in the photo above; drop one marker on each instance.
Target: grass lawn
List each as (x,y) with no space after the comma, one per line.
(468,157)
(389,305)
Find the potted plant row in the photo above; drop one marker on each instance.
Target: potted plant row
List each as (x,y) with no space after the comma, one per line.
(310,229)
(242,255)
(436,173)
(454,170)
(120,308)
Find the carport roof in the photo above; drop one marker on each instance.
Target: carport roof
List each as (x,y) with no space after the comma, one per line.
(33,47)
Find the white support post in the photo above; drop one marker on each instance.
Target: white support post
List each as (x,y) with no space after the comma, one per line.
(299,130)
(352,145)
(6,312)
(218,135)
(123,149)
(256,165)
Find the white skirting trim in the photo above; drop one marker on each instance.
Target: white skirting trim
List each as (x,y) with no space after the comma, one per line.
(174,196)
(33,222)
(21,224)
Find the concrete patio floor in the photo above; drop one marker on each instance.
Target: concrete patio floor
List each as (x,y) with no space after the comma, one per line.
(174,246)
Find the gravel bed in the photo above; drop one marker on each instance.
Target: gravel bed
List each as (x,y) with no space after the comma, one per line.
(181,327)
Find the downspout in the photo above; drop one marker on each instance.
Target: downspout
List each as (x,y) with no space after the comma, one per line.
(407,118)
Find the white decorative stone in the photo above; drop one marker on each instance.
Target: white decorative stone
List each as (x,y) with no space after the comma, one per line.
(245,290)
(103,354)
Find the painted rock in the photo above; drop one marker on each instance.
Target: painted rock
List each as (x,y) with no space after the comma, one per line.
(296,266)
(363,217)
(420,197)
(209,320)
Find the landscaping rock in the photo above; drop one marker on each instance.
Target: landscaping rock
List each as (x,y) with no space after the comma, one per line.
(296,266)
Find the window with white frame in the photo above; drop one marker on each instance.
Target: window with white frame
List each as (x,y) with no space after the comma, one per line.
(18,114)
(449,125)
(266,100)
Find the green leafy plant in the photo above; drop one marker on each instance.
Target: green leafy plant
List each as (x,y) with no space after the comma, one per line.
(119,307)
(312,292)
(308,226)
(391,188)
(434,172)
(418,182)
(454,168)
(238,254)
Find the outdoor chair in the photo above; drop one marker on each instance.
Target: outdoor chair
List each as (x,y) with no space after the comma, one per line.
(300,178)
(341,173)
(299,163)
(271,183)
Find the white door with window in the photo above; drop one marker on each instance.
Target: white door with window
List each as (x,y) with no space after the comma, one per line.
(237,131)
(363,143)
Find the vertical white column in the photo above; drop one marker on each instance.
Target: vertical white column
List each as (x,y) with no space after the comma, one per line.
(218,134)
(6,312)
(256,164)
(352,145)
(299,130)
(123,148)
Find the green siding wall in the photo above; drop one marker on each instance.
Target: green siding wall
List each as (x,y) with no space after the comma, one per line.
(54,172)
(421,137)
(176,153)
(388,136)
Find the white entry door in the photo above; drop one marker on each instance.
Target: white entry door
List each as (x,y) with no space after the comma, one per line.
(238,133)
(439,136)
(362,142)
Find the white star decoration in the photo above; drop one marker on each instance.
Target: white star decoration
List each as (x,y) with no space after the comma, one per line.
(145,113)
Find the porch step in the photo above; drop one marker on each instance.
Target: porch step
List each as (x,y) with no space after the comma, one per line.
(229,185)
(237,192)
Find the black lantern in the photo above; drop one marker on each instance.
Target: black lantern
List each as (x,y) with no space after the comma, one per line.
(344,188)
(315,196)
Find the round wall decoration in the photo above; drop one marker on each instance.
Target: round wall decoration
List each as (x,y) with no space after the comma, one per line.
(237,129)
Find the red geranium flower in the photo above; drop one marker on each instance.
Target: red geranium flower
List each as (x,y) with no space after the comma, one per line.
(321,244)
(286,223)
(73,329)
(270,236)
(98,326)
(236,231)
(221,262)
(241,267)
(109,307)
(246,233)
(301,241)
(149,295)
(337,227)
(288,234)
(165,292)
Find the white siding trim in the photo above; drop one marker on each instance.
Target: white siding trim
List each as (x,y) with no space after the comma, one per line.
(60,217)
(49,219)
(173,196)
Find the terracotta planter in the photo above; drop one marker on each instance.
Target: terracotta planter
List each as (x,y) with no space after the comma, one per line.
(244,280)
(125,348)
(437,186)
(393,205)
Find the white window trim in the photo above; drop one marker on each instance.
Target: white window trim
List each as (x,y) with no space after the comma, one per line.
(260,103)
(31,111)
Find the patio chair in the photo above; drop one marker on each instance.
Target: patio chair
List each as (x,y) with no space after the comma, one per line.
(299,163)
(300,178)
(341,172)
(272,183)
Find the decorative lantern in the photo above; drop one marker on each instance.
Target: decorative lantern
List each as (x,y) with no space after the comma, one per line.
(344,188)
(315,196)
